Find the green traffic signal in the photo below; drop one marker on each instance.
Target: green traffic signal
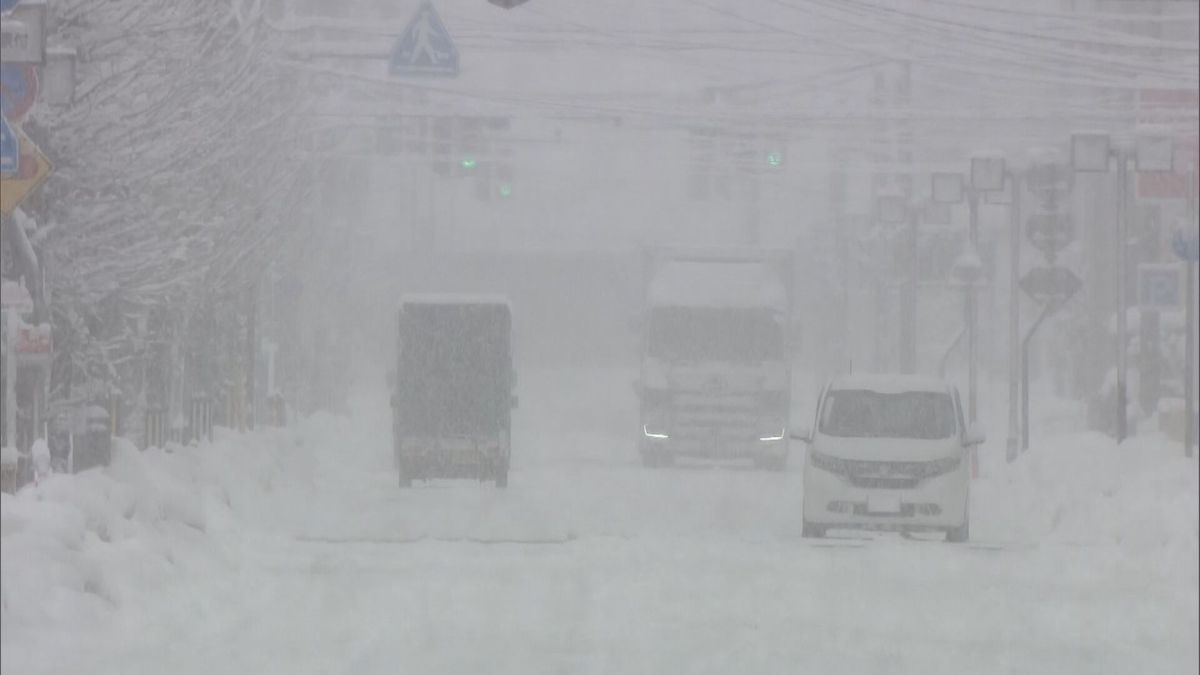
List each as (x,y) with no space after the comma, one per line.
(468,163)
(506,190)
(775,158)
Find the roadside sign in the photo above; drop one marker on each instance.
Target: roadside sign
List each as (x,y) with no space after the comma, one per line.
(18,90)
(15,297)
(1186,247)
(1175,109)
(1160,285)
(1050,231)
(425,47)
(34,169)
(1050,284)
(23,34)
(10,149)
(7,5)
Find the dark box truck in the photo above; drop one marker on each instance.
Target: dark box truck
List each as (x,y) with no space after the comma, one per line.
(452,396)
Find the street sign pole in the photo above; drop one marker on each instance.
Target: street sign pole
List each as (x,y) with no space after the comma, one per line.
(1014,317)
(1122,246)
(1046,311)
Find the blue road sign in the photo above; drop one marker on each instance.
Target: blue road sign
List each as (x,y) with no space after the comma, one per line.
(10,148)
(1187,248)
(425,47)
(7,5)
(1160,285)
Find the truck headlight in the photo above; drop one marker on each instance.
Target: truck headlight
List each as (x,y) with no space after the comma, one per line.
(654,434)
(774,437)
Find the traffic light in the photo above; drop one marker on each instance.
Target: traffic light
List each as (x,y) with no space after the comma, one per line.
(470,143)
(504,180)
(507,4)
(443,132)
(775,151)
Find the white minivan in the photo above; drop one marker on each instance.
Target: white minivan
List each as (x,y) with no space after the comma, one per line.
(888,452)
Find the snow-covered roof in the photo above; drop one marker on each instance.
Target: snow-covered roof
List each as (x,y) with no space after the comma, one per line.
(689,283)
(454,299)
(890,383)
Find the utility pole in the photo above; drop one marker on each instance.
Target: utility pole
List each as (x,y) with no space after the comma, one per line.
(251,351)
(972,312)
(1012,443)
(1189,386)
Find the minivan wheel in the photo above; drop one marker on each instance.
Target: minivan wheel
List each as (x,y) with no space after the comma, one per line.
(811,531)
(960,534)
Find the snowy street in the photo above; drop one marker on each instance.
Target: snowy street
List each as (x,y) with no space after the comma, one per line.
(308,559)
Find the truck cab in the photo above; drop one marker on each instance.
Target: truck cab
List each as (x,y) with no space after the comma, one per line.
(452,395)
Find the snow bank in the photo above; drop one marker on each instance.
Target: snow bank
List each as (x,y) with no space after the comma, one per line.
(1085,489)
(84,554)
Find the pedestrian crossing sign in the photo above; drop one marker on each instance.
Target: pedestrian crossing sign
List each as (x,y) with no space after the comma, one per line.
(425,47)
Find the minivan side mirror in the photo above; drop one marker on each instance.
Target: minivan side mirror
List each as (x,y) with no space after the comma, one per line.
(801,434)
(974,435)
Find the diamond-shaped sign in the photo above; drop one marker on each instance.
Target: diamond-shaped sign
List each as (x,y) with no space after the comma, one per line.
(33,169)
(1050,284)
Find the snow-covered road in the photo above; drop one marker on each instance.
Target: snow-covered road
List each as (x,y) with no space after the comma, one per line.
(308,559)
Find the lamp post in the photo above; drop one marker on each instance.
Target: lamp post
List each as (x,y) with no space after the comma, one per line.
(892,208)
(988,172)
(1091,152)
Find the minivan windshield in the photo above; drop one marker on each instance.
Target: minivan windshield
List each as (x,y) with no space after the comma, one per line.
(870,414)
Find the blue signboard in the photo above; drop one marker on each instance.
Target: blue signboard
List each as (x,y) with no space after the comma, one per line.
(7,5)
(1187,248)
(10,148)
(1160,285)
(425,47)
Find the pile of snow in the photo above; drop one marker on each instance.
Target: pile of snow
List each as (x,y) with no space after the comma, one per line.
(82,555)
(1085,489)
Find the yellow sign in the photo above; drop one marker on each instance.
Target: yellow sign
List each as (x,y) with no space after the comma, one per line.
(35,168)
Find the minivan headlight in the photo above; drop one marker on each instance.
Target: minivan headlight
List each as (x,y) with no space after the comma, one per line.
(941,466)
(827,462)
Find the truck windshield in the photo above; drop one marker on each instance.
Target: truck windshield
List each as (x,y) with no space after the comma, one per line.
(455,369)
(715,334)
(870,414)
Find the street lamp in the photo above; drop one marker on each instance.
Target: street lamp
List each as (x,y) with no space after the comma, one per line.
(58,76)
(947,188)
(1151,151)
(988,173)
